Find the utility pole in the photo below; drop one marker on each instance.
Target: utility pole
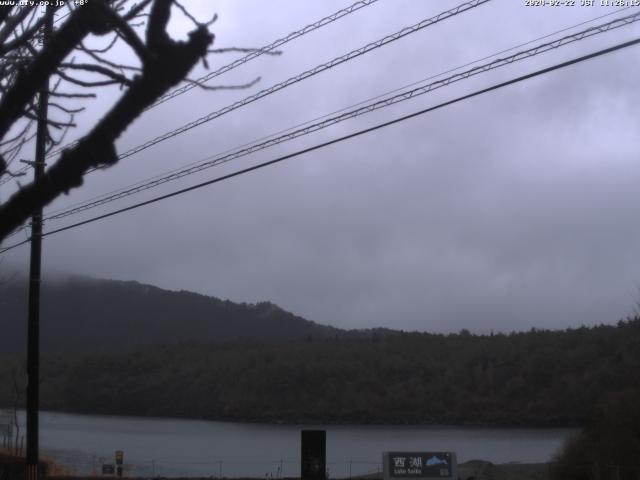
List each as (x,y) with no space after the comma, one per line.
(33,331)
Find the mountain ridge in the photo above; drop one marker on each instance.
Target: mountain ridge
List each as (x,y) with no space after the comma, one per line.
(84,313)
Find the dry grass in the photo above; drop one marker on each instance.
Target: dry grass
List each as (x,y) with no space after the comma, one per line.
(52,468)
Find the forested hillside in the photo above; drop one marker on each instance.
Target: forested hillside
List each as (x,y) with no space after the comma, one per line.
(84,314)
(533,378)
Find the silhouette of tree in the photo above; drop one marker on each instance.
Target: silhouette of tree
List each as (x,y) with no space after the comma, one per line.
(27,64)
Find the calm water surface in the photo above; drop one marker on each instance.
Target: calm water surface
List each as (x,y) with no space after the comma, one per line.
(169,447)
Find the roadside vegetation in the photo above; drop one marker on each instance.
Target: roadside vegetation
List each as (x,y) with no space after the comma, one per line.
(609,445)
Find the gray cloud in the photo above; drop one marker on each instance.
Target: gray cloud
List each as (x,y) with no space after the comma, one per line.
(509,211)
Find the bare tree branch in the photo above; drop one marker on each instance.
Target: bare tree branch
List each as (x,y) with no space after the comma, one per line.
(18,135)
(97,58)
(16,405)
(186,13)
(88,67)
(12,22)
(136,10)
(5,10)
(25,36)
(82,21)
(167,64)
(126,32)
(49,121)
(66,109)
(72,95)
(55,142)
(223,87)
(157,37)
(111,43)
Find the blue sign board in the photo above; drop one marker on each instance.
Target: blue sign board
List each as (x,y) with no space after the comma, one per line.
(419,465)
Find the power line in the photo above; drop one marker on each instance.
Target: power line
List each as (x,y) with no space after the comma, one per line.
(26,168)
(401,97)
(298,78)
(223,158)
(171,173)
(324,21)
(307,74)
(18,173)
(250,56)
(272,46)
(343,138)
(304,75)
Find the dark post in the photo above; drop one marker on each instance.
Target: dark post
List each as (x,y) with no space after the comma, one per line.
(314,454)
(119,461)
(33,331)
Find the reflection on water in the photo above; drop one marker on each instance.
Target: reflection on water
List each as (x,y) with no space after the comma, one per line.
(167,447)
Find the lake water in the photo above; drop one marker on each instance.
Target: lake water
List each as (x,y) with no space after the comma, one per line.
(168,447)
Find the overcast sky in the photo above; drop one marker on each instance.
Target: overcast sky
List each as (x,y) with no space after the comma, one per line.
(512,210)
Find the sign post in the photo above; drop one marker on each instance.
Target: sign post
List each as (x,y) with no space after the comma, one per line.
(119,458)
(419,465)
(314,455)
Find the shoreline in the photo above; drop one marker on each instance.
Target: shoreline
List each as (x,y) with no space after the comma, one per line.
(476,469)
(329,422)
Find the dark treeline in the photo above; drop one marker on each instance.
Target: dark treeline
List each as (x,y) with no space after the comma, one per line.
(538,378)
